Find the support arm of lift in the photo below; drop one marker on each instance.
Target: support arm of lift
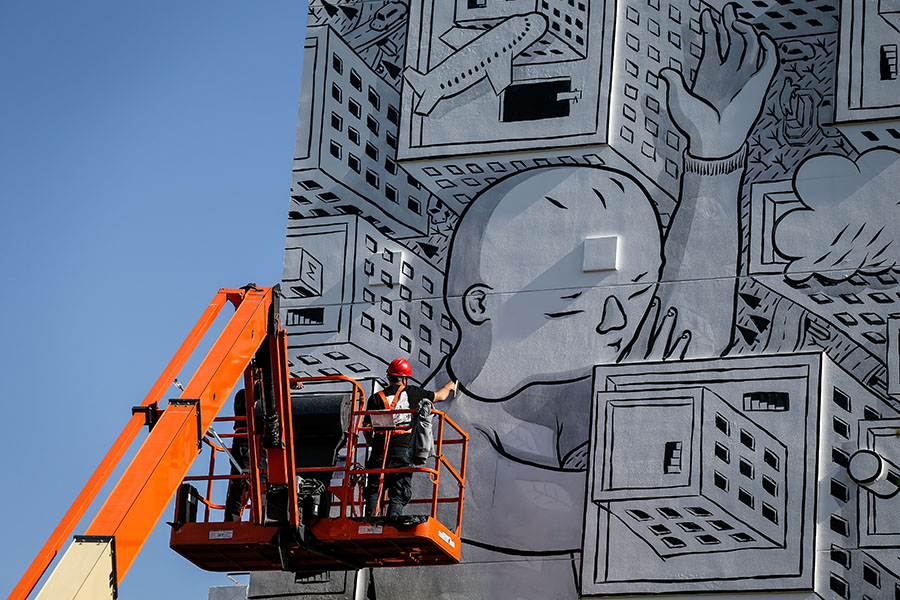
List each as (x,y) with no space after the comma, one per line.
(141,495)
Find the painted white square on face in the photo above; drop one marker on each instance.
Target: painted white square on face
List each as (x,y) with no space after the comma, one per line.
(600,253)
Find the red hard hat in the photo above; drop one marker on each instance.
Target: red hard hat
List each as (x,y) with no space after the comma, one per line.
(400,367)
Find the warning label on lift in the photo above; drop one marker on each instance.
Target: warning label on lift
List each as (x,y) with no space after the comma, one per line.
(221,534)
(370,529)
(446,537)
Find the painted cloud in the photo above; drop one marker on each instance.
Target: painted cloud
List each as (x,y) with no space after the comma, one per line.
(852,220)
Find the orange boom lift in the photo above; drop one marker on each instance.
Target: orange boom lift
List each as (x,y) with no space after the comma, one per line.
(304,511)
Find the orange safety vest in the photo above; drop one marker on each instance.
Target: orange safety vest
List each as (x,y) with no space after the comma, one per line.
(393,403)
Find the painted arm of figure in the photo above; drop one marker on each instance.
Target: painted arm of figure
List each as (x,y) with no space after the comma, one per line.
(522,506)
(716,114)
(517,501)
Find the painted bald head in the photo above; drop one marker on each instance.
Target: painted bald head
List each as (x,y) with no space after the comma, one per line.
(516,285)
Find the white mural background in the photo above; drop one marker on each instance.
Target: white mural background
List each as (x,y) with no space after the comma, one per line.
(657,244)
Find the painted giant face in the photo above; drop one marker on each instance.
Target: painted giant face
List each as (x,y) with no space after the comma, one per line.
(517,263)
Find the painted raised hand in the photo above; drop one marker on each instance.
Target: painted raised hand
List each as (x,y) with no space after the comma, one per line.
(656,337)
(717,111)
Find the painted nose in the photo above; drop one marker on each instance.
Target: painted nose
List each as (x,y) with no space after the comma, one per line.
(613,318)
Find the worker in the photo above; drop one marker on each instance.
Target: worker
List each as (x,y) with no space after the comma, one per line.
(240,450)
(397,396)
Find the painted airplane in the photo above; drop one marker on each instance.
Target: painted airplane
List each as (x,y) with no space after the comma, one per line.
(489,55)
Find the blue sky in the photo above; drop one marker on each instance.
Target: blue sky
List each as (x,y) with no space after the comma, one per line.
(145,157)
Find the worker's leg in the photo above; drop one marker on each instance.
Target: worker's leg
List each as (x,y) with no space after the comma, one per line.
(399,485)
(370,495)
(237,488)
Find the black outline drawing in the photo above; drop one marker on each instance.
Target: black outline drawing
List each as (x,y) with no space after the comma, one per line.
(734,451)
(719,290)
(868,82)
(509,76)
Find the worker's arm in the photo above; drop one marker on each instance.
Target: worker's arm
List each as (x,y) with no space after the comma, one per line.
(444,393)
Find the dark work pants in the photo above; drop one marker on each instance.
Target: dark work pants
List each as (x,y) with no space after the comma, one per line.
(237,488)
(398,485)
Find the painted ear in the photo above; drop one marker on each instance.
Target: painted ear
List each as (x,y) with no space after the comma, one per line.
(475,305)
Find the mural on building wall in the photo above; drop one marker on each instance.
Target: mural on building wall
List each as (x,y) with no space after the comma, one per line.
(871,33)
(484,76)
(665,278)
(727,464)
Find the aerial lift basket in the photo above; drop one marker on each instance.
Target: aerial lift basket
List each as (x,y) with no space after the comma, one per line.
(304,511)
(323,527)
